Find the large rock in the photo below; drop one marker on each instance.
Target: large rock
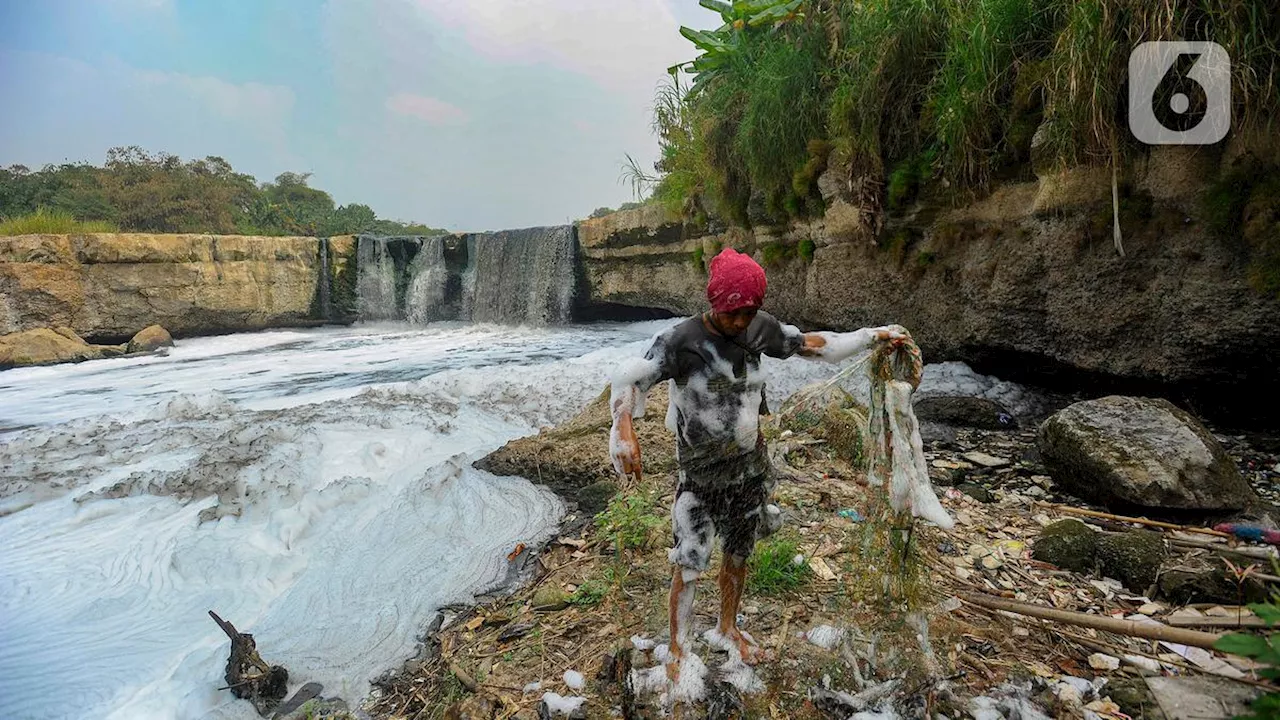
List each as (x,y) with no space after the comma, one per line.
(1069,544)
(1144,452)
(43,347)
(573,458)
(109,285)
(152,337)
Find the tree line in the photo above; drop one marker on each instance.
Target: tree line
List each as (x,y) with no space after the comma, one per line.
(137,191)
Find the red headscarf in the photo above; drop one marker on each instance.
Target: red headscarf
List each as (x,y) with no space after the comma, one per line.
(736,282)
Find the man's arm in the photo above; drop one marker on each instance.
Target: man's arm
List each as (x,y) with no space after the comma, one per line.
(627,393)
(838,347)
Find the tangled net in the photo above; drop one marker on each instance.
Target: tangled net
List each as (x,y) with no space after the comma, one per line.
(891,443)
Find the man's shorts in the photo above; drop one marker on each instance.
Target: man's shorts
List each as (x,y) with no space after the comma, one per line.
(739,513)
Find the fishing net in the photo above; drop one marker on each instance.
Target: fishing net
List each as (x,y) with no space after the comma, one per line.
(891,443)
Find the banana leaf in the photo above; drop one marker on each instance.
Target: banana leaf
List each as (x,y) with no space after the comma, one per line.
(719,6)
(705,41)
(774,13)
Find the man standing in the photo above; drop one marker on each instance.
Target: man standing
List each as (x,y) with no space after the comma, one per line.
(725,479)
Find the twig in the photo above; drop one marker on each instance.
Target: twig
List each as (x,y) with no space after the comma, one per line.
(463,677)
(1124,518)
(1109,624)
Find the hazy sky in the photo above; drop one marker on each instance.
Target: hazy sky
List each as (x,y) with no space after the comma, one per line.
(467,114)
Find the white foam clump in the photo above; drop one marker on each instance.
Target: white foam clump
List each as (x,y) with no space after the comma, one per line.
(953,378)
(574,679)
(733,670)
(691,686)
(642,644)
(558,704)
(333,515)
(532,687)
(909,486)
(825,636)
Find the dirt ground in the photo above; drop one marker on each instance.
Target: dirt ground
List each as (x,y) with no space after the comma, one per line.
(837,562)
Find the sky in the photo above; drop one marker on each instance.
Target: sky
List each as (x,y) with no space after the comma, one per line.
(463,114)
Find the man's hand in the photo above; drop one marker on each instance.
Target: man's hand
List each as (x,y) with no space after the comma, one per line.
(896,335)
(624,446)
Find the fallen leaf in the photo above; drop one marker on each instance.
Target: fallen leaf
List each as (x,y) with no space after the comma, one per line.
(515,553)
(821,569)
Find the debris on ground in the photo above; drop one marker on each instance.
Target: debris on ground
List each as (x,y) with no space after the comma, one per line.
(1117,601)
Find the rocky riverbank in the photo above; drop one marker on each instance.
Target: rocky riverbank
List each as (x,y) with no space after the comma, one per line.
(839,645)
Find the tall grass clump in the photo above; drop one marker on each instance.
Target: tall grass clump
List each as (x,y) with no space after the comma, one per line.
(53,222)
(915,92)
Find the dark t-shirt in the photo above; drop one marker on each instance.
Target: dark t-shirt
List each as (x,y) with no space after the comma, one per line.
(718,388)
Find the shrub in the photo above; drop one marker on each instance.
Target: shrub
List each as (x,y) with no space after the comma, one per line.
(53,222)
(628,521)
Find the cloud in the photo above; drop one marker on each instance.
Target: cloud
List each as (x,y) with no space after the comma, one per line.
(622,46)
(270,106)
(433,111)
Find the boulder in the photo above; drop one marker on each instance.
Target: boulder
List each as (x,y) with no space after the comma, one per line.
(573,458)
(152,337)
(1131,557)
(43,346)
(961,411)
(1069,544)
(1206,580)
(1144,452)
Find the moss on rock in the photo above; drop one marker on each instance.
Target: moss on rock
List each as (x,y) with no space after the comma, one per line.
(1069,544)
(1132,557)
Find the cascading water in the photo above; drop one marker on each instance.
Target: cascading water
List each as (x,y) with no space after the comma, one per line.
(428,281)
(324,281)
(511,277)
(376,280)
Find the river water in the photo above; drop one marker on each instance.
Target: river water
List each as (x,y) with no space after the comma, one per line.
(314,487)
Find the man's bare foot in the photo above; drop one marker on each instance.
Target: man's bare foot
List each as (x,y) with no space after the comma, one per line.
(674,656)
(750,652)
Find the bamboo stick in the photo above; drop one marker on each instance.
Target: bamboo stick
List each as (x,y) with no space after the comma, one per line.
(1097,622)
(1254,553)
(1125,518)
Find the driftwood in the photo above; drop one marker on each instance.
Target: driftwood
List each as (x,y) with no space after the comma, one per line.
(1081,512)
(248,676)
(1151,631)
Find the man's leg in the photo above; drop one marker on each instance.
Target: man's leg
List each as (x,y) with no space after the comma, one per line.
(680,608)
(693,532)
(733,578)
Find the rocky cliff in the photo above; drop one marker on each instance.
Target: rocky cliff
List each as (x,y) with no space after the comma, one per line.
(1026,283)
(106,287)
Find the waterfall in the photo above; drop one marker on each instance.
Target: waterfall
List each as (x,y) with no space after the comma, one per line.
(522,276)
(508,277)
(428,282)
(324,281)
(375,280)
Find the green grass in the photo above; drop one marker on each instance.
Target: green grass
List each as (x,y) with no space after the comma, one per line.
(806,249)
(772,570)
(53,222)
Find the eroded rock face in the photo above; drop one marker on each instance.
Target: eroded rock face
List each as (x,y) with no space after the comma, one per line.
(1144,452)
(1024,284)
(109,285)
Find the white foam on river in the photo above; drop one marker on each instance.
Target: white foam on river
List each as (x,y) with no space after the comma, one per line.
(312,487)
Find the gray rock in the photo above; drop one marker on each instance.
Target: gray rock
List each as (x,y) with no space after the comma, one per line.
(1146,452)
(962,411)
(1200,697)
(1069,544)
(975,491)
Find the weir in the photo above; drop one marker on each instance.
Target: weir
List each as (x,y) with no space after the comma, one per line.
(510,277)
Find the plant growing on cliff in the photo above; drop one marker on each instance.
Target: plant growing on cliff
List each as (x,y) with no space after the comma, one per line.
(922,90)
